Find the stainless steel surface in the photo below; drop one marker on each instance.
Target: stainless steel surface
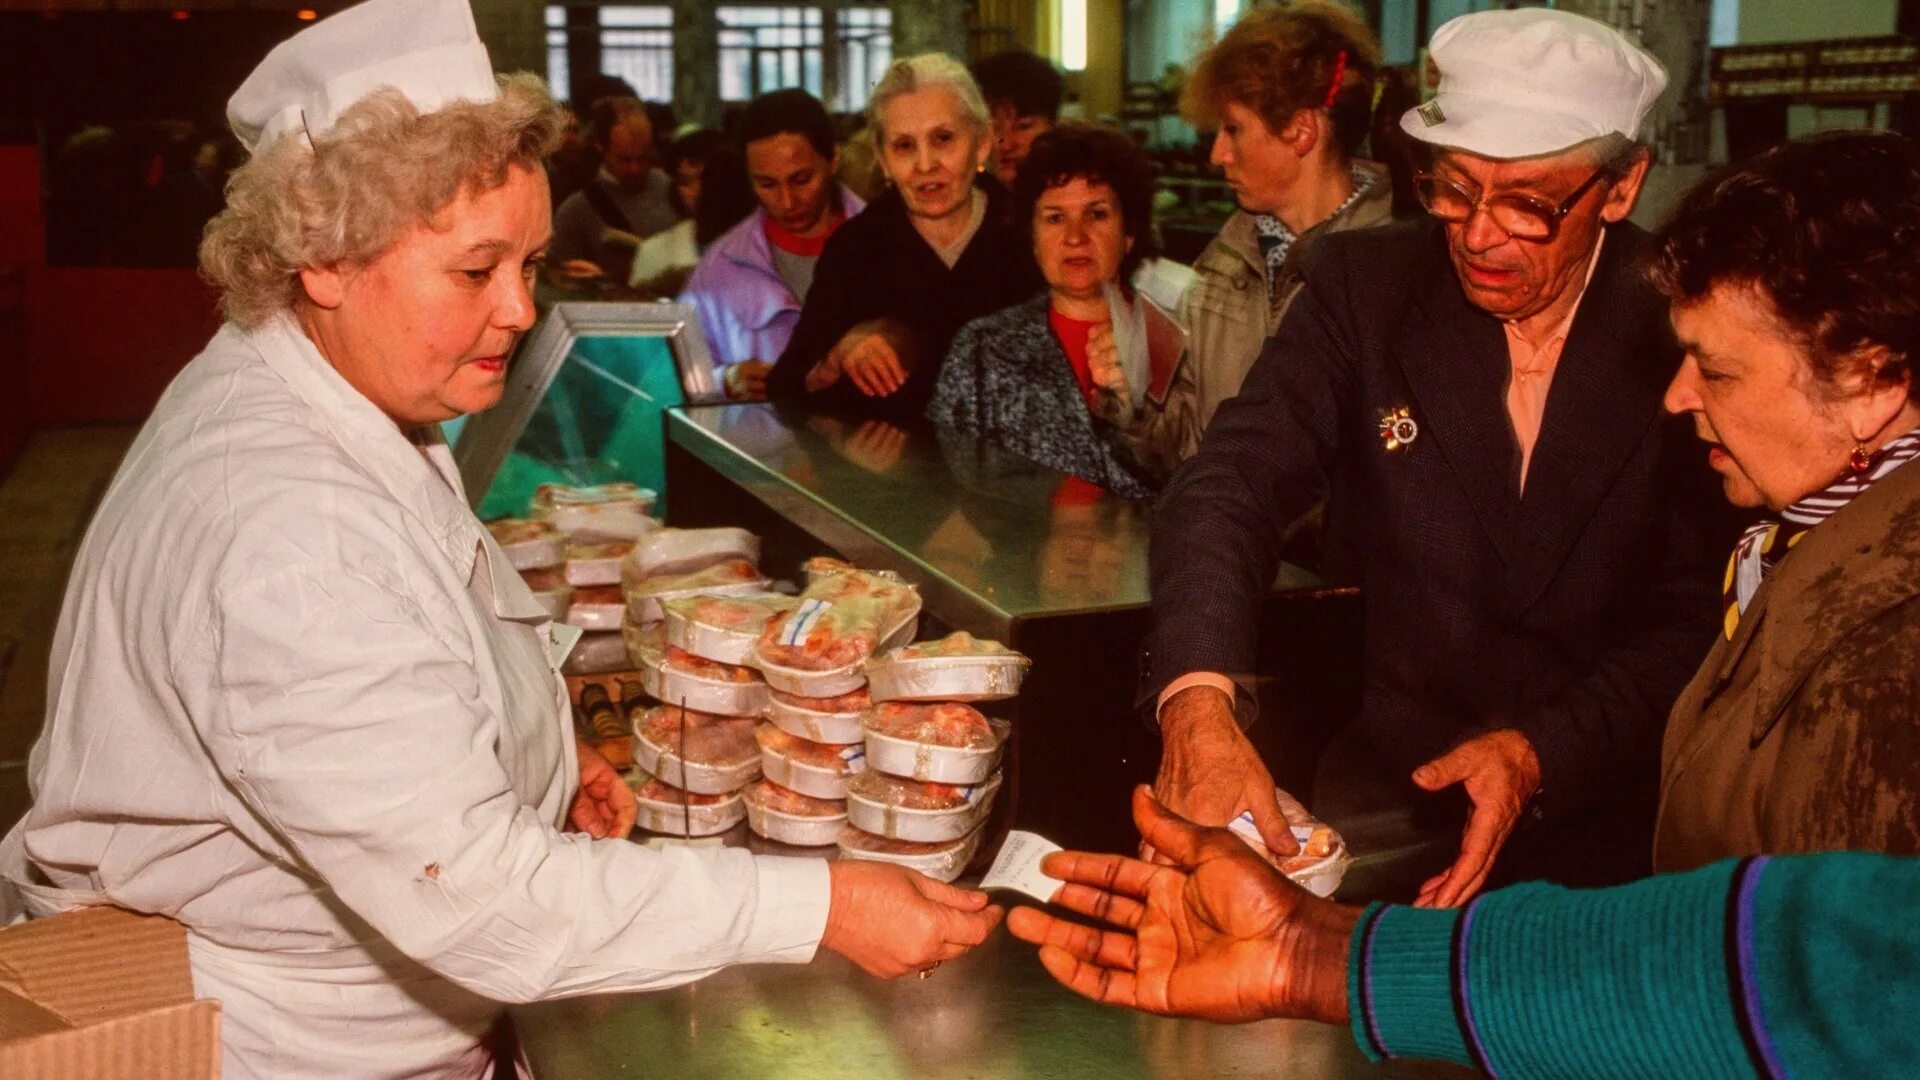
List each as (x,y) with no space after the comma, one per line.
(990,1014)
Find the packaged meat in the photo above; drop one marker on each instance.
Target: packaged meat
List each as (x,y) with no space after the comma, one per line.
(948,743)
(678,677)
(817,649)
(529,545)
(605,513)
(549,496)
(958,667)
(722,628)
(550,588)
(901,809)
(597,607)
(822,565)
(825,720)
(706,754)
(666,552)
(810,768)
(663,808)
(1323,858)
(942,860)
(782,814)
(595,564)
(734,577)
(597,653)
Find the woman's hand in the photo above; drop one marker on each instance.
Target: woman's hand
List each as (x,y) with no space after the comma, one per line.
(865,355)
(1220,936)
(1103,361)
(746,380)
(890,920)
(604,807)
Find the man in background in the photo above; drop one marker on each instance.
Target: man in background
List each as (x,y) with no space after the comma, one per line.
(597,228)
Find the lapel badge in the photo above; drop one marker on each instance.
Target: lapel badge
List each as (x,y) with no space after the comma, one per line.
(1397,428)
(1431,115)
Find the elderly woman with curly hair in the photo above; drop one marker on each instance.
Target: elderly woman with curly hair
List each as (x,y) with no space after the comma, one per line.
(301,702)
(1087,377)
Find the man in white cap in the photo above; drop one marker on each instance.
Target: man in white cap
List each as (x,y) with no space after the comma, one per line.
(1477,398)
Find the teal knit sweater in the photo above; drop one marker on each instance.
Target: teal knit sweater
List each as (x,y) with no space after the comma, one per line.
(1803,966)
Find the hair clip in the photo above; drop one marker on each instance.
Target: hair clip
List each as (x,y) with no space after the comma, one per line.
(1339,72)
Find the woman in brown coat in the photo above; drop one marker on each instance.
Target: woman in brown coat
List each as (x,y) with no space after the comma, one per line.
(1795,281)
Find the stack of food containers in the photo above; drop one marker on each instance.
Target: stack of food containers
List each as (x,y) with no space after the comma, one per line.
(600,524)
(933,760)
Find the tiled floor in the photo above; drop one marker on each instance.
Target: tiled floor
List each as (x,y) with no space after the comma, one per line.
(45,504)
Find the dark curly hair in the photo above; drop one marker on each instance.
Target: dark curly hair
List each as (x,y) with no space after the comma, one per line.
(1312,54)
(1098,155)
(1825,230)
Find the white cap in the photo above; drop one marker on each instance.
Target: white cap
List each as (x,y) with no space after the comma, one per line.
(426,49)
(1517,84)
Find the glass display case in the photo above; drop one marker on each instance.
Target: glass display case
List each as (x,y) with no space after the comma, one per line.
(586,396)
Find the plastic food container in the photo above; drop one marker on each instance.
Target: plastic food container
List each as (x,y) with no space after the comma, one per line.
(815,769)
(597,654)
(789,817)
(549,496)
(722,628)
(901,809)
(595,564)
(550,588)
(720,753)
(942,861)
(823,720)
(597,607)
(734,577)
(682,551)
(819,649)
(958,667)
(605,513)
(529,545)
(680,678)
(947,743)
(669,810)
(1323,858)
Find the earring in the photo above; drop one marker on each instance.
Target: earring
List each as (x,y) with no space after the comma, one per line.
(1860,459)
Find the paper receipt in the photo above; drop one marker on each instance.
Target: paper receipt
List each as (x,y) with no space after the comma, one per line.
(1017,867)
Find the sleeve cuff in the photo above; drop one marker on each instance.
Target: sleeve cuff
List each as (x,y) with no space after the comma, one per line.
(789,910)
(1400,985)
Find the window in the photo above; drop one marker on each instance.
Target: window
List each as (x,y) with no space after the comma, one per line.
(866,48)
(636,43)
(558,74)
(769,48)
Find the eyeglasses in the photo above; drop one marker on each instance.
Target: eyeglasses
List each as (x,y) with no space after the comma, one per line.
(1523,217)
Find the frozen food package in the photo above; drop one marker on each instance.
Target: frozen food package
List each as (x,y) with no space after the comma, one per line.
(665,552)
(548,496)
(529,545)
(825,720)
(902,809)
(810,768)
(948,742)
(941,860)
(663,808)
(604,513)
(958,667)
(722,628)
(718,753)
(550,588)
(817,649)
(822,565)
(1323,858)
(597,653)
(597,607)
(780,813)
(678,677)
(595,564)
(733,577)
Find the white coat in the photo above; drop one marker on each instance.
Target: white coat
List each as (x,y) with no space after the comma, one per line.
(300,702)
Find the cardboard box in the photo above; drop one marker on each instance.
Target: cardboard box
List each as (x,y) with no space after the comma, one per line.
(103,993)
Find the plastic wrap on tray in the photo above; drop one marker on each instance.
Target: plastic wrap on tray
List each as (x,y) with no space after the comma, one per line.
(733,577)
(958,667)
(825,720)
(948,743)
(720,754)
(550,588)
(722,628)
(667,552)
(942,860)
(810,768)
(818,649)
(597,607)
(597,653)
(1323,858)
(603,513)
(595,564)
(780,813)
(902,809)
(678,677)
(663,808)
(529,545)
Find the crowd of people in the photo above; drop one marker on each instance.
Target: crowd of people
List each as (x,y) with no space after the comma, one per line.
(1628,511)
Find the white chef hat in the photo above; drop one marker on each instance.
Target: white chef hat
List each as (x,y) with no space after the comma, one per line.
(1517,84)
(426,49)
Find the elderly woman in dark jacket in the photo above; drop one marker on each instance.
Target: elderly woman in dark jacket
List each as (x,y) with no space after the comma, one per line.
(1088,377)
(1795,282)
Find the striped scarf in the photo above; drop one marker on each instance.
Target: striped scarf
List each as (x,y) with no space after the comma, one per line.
(1765,543)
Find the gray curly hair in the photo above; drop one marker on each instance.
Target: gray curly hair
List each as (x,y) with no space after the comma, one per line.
(383,168)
